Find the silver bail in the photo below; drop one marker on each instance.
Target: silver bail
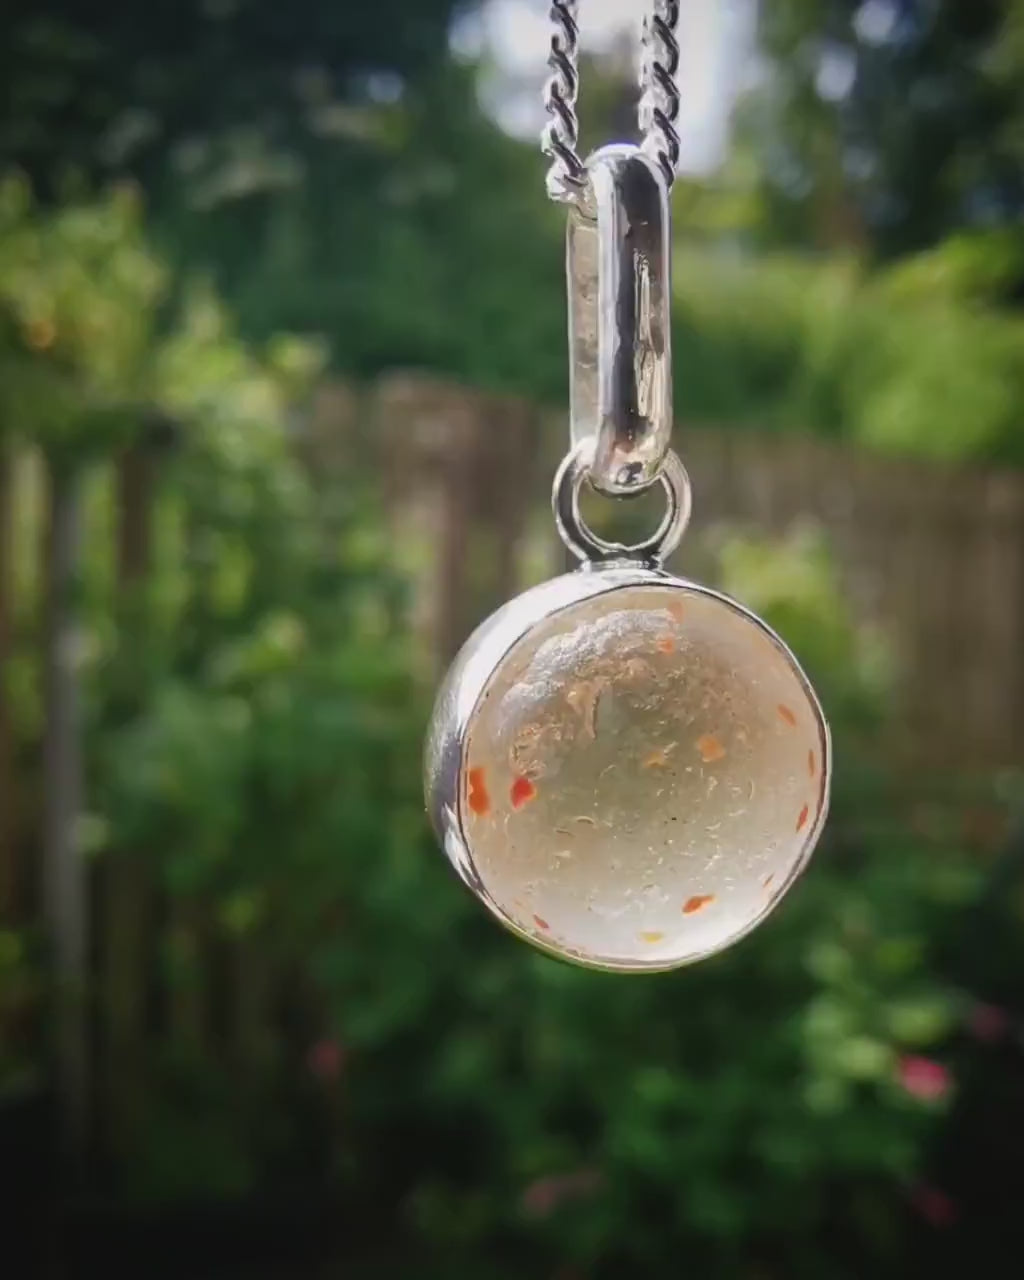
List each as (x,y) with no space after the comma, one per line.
(620,351)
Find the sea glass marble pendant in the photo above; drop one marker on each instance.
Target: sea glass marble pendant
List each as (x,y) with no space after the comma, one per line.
(628,769)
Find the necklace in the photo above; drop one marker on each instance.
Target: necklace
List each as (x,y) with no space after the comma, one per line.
(627,768)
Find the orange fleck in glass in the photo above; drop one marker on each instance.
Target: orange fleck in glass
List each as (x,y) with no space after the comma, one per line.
(522,792)
(710,748)
(478,799)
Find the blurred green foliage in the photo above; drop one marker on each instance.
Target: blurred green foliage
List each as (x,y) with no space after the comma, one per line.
(78,292)
(888,124)
(101,91)
(419,237)
(913,359)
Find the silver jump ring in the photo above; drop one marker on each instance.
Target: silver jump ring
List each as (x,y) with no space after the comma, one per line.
(581,539)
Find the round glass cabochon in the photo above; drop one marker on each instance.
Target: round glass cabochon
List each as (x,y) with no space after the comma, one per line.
(643,776)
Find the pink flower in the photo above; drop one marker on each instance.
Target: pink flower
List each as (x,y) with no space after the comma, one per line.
(325,1060)
(924,1079)
(988,1023)
(545,1194)
(934,1206)
(541,1196)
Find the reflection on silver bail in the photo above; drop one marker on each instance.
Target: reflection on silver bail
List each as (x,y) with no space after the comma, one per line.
(618,264)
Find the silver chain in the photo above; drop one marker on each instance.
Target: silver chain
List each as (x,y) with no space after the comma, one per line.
(659,95)
(659,86)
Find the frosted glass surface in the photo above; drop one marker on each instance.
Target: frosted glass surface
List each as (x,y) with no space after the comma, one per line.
(643,777)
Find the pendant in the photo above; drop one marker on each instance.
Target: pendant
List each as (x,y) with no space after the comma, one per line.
(628,769)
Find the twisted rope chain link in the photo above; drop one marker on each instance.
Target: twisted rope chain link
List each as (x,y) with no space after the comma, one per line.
(659,86)
(659,95)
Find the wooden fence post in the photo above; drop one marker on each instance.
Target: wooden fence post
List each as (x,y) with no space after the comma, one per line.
(459,470)
(126,949)
(9,884)
(64,875)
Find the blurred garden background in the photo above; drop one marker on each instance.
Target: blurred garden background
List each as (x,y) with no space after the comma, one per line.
(283,382)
